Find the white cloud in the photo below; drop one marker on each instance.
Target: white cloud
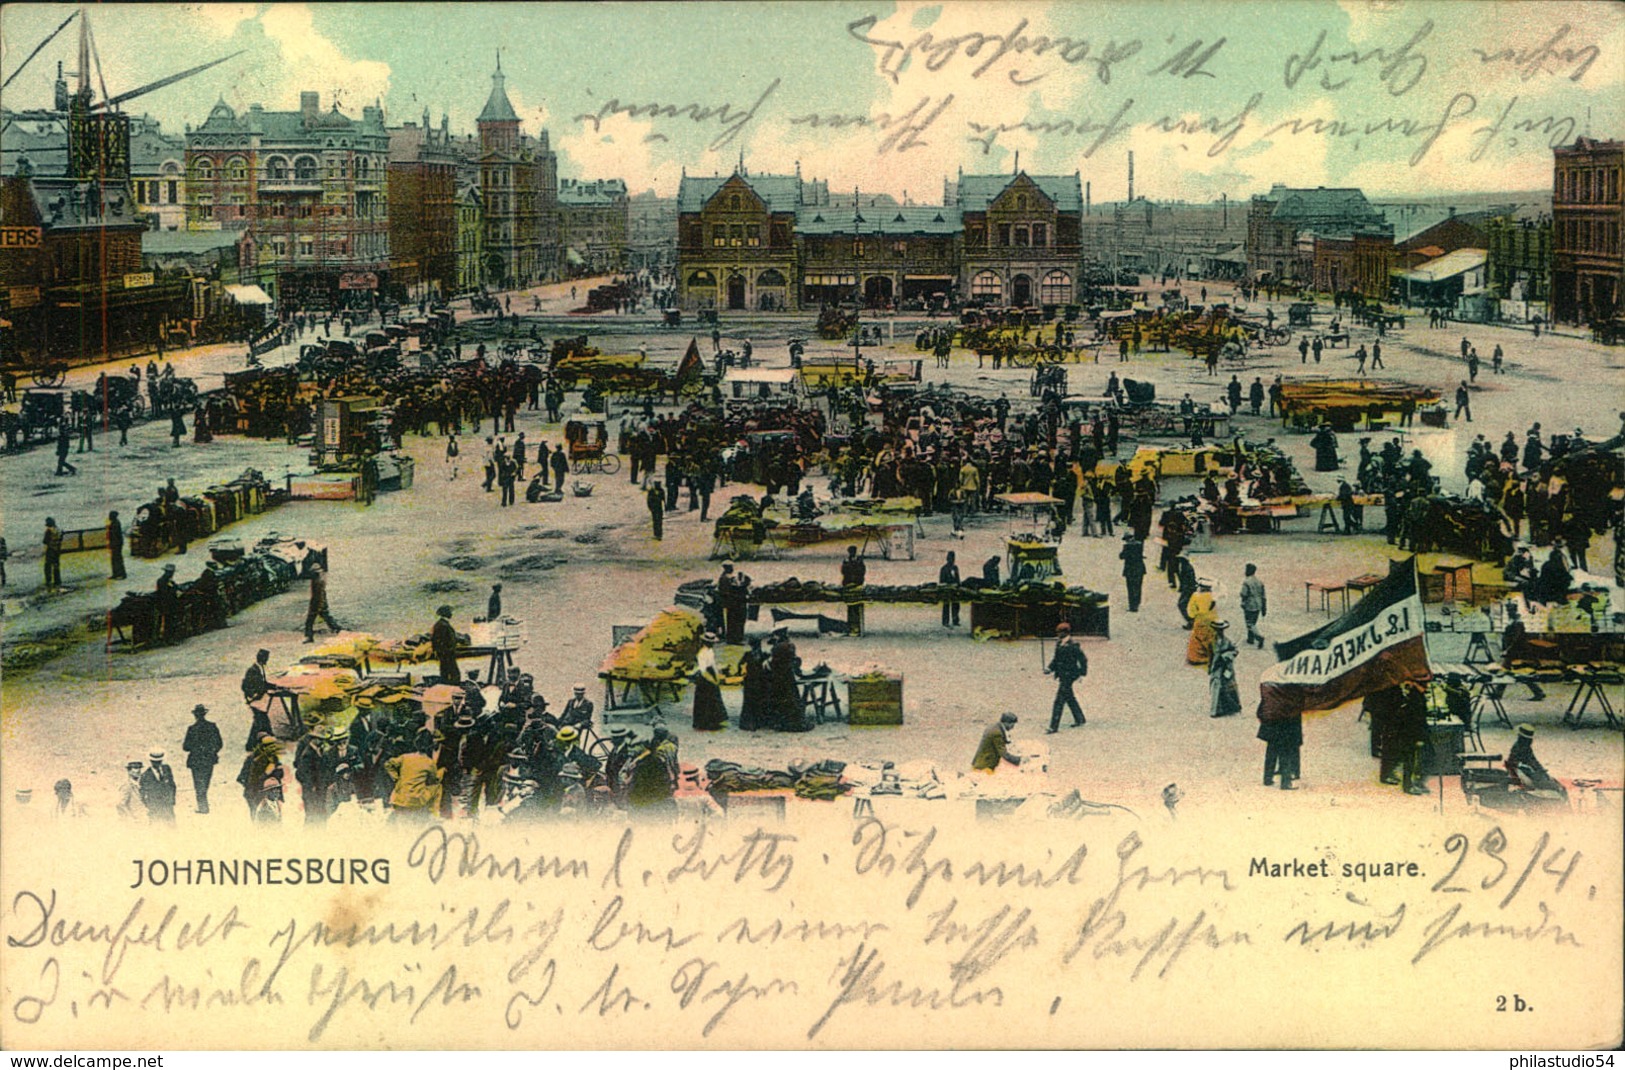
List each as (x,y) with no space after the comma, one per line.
(617,148)
(220,20)
(309,61)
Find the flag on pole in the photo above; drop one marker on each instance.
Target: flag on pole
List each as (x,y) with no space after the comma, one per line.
(1377,644)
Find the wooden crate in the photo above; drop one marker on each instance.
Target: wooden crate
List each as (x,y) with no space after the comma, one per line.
(875,702)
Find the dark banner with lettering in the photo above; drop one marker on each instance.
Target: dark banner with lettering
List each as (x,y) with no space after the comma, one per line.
(1378,643)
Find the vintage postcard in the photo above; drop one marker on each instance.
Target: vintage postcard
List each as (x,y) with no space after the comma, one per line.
(812,525)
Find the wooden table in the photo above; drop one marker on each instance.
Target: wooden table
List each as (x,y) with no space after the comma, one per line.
(1326,591)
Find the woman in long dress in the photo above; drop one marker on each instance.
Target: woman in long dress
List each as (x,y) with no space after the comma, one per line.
(1203,613)
(1224,698)
(784,697)
(753,712)
(710,715)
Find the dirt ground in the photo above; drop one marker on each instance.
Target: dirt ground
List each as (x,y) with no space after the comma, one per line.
(572,570)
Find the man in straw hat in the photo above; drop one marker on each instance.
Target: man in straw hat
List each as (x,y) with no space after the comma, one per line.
(158,790)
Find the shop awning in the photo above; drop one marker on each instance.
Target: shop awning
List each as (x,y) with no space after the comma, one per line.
(928,278)
(1447,267)
(248,295)
(574,257)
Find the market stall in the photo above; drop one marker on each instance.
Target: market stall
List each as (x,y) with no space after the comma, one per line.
(1345,403)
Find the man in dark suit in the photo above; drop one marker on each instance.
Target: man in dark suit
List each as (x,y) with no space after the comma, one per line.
(443,644)
(202,746)
(1067,664)
(157,788)
(1133,557)
(579,709)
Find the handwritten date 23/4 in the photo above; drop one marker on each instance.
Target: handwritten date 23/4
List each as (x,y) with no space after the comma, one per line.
(1490,865)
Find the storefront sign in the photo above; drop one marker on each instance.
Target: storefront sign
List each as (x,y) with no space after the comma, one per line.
(20,237)
(358,280)
(136,280)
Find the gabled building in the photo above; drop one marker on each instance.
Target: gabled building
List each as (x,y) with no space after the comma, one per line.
(158,173)
(1283,225)
(736,241)
(519,189)
(1021,243)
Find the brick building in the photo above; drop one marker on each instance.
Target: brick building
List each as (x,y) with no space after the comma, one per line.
(309,188)
(736,241)
(519,179)
(1282,228)
(888,254)
(1588,208)
(423,208)
(1021,238)
(470,238)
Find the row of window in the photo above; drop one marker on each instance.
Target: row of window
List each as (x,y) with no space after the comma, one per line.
(1591,185)
(148,191)
(278,169)
(205,208)
(366,246)
(1010,236)
(1055,289)
(1588,235)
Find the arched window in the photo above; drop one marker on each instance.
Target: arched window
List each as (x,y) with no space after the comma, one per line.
(304,169)
(702,278)
(770,277)
(986,284)
(203,169)
(362,169)
(276,169)
(1056,289)
(237,169)
(733,203)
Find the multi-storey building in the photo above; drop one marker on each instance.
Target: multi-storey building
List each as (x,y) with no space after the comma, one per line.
(1279,226)
(422,191)
(1588,208)
(651,241)
(736,241)
(594,218)
(308,187)
(519,189)
(72,286)
(1021,241)
(779,242)
(470,238)
(1520,258)
(158,173)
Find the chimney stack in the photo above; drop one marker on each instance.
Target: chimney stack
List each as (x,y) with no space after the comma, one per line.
(309,104)
(1086,198)
(1131,176)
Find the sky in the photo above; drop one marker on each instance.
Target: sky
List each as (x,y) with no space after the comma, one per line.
(1215,97)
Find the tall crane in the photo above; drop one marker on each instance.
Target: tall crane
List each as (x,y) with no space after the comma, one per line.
(98,133)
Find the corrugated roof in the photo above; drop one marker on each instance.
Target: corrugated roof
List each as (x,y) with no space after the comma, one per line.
(1447,266)
(179,242)
(976,192)
(930,219)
